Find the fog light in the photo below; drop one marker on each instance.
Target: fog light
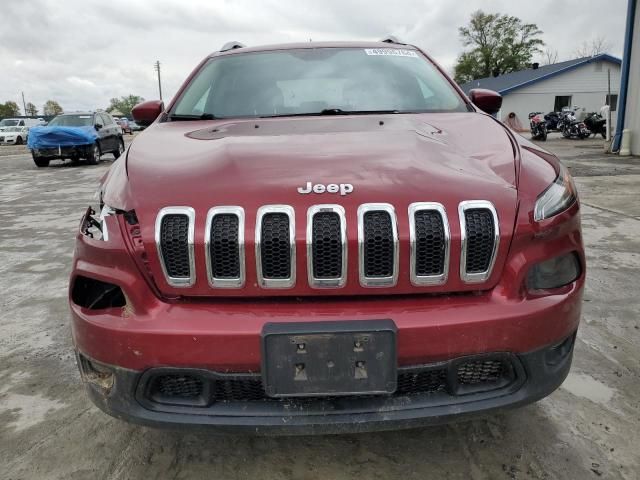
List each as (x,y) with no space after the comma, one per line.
(554,273)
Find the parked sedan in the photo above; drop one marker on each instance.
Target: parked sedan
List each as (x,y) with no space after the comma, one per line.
(85,135)
(14,135)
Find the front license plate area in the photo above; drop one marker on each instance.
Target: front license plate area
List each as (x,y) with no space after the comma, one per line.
(329,358)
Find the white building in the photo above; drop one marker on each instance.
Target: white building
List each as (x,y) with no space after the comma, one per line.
(583,83)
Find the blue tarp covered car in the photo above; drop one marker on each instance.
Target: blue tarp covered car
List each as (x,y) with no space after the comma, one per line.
(75,136)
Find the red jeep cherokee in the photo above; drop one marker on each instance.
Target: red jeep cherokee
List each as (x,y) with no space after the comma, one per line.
(326,237)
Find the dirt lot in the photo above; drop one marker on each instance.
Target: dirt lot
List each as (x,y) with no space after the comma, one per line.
(589,428)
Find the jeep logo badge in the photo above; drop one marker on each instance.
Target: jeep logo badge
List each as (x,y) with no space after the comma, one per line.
(342,188)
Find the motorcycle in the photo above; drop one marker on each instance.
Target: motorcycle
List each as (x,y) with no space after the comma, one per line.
(538,126)
(571,127)
(552,119)
(596,124)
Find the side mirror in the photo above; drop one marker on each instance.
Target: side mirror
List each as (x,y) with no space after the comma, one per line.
(145,113)
(98,126)
(486,100)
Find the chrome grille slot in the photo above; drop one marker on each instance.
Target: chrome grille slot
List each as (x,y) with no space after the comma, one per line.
(378,245)
(275,246)
(430,240)
(174,239)
(480,238)
(224,247)
(326,246)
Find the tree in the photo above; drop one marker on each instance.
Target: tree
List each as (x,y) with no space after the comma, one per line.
(500,44)
(32,109)
(51,108)
(124,104)
(9,109)
(595,47)
(550,56)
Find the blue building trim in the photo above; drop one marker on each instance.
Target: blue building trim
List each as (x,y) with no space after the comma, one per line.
(624,83)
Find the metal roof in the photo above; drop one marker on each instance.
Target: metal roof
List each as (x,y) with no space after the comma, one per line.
(508,82)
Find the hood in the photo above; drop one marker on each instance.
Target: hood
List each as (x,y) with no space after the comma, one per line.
(395,159)
(389,158)
(52,137)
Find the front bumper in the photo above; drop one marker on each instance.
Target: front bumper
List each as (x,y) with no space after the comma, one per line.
(536,375)
(63,152)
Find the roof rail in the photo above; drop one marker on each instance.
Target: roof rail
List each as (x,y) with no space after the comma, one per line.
(231,46)
(392,39)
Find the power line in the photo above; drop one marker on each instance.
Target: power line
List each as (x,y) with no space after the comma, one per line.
(156,67)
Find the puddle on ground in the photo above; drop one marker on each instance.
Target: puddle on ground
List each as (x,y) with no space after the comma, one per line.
(582,385)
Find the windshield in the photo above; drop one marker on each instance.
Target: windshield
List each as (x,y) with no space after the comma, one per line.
(8,123)
(72,121)
(317,81)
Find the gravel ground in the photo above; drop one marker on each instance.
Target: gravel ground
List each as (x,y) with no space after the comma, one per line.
(589,428)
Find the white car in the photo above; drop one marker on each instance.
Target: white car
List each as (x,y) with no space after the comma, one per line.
(14,135)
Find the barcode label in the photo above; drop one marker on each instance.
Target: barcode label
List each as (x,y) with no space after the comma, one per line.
(395,52)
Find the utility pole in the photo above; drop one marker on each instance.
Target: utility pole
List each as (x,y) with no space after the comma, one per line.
(156,67)
(24,105)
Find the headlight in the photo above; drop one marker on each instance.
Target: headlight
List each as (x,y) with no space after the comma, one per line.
(104,213)
(560,195)
(554,273)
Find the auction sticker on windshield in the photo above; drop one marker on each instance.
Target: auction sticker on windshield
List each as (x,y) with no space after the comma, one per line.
(396,52)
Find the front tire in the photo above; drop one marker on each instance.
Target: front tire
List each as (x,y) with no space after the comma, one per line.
(120,150)
(94,155)
(40,162)
(19,141)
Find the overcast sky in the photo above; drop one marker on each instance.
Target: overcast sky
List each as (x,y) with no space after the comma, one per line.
(81,53)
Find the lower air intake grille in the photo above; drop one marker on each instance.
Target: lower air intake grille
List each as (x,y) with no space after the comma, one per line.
(224,248)
(183,386)
(430,243)
(452,378)
(378,244)
(275,246)
(480,233)
(174,236)
(327,245)
(474,373)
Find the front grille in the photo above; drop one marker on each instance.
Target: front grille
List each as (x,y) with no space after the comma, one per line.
(275,245)
(327,245)
(379,244)
(174,245)
(452,378)
(224,247)
(480,231)
(480,235)
(430,243)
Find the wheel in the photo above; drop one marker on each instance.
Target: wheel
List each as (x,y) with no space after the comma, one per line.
(543,136)
(566,133)
(94,155)
(40,162)
(19,141)
(604,135)
(120,150)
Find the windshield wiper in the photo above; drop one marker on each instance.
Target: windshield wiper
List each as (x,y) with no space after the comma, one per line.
(204,116)
(339,111)
(334,111)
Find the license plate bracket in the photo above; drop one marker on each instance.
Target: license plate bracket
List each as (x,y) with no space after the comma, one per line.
(329,358)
